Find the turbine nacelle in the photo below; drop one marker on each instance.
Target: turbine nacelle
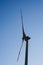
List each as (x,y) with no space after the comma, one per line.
(26,38)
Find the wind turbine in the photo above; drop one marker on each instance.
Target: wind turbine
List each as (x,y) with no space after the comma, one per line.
(24,38)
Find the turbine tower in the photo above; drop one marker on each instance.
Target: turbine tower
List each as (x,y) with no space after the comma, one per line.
(24,38)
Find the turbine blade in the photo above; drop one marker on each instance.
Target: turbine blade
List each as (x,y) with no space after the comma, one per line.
(29,45)
(20,50)
(22,25)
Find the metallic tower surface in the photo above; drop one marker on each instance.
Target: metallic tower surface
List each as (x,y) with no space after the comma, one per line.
(26,53)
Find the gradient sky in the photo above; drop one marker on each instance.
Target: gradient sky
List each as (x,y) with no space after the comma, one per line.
(11,31)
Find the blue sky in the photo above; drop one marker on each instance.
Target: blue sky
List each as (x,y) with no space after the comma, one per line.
(11,31)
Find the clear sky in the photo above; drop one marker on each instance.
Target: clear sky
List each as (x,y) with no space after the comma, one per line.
(11,31)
